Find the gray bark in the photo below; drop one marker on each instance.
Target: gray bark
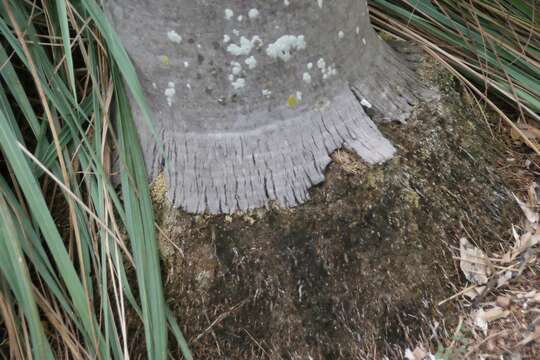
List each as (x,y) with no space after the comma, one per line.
(237,135)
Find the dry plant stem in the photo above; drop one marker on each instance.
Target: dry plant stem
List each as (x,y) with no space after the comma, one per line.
(113,264)
(219,319)
(169,240)
(256,342)
(77,38)
(15,348)
(53,315)
(482,111)
(478,345)
(456,295)
(510,83)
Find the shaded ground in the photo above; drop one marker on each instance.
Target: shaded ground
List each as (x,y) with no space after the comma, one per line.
(355,272)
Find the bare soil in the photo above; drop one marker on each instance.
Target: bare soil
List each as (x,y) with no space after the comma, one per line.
(356,272)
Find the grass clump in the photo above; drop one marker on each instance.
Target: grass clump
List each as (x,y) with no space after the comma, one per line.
(492,47)
(495,44)
(78,253)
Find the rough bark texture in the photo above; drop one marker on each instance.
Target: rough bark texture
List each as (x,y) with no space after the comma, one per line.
(237,135)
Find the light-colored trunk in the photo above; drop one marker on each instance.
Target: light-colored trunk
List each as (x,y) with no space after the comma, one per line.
(251,97)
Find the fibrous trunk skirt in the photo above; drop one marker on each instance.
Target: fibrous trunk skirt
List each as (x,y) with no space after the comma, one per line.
(251,98)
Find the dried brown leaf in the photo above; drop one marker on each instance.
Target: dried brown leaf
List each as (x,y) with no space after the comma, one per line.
(530,214)
(417,354)
(474,263)
(494,313)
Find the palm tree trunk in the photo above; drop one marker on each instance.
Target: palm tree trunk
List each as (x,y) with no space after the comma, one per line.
(251,98)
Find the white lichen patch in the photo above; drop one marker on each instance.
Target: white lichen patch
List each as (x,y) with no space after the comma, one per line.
(251,62)
(364,41)
(240,18)
(174,37)
(321,64)
(245,46)
(226,38)
(239,83)
(228,14)
(282,47)
(286,2)
(266,93)
(357,30)
(320,2)
(366,103)
(299,95)
(326,71)
(236,68)
(186,64)
(309,66)
(253,14)
(236,32)
(341,34)
(170,93)
(307,77)
(330,71)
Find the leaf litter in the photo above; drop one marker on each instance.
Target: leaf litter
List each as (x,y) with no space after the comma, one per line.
(503,296)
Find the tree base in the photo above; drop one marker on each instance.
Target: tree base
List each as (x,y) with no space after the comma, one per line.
(359,268)
(226,172)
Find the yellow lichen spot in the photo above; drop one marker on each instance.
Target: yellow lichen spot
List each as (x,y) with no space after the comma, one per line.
(411,198)
(165,60)
(292,101)
(158,190)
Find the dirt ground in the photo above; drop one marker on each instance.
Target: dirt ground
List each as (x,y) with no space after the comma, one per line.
(356,272)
